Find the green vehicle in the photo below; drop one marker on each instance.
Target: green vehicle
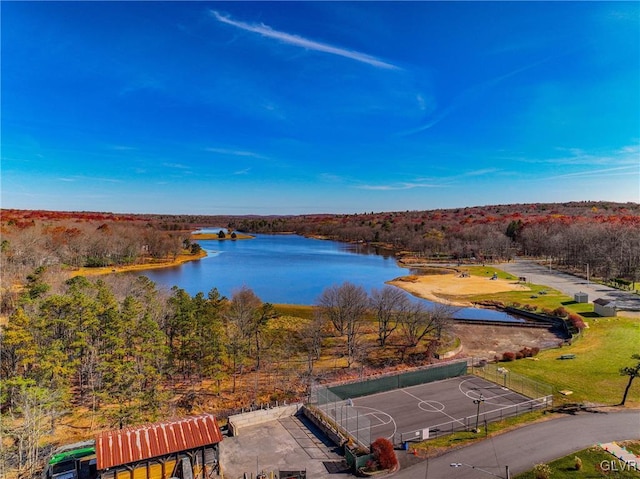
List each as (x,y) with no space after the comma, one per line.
(73,461)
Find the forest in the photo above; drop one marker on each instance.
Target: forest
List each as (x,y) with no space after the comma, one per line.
(109,351)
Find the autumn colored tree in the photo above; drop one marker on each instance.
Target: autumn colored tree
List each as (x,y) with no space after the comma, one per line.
(383,454)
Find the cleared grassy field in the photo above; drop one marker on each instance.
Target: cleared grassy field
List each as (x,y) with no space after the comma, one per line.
(593,376)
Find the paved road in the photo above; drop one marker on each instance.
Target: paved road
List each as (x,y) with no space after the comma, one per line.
(523,448)
(293,444)
(570,284)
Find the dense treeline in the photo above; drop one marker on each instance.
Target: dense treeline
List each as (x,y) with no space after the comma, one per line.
(31,241)
(605,236)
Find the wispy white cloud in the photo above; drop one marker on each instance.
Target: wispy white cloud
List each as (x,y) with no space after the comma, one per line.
(71,179)
(331,178)
(469,94)
(178,166)
(622,156)
(481,172)
(122,148)
(232,152)
(600,173)
(244,171)
(440,182)
(306,43)
(401,186)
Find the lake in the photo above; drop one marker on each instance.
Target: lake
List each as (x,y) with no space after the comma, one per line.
(288,269)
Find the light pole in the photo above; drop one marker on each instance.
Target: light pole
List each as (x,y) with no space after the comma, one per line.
(477,402)
(460,464)
(587,273)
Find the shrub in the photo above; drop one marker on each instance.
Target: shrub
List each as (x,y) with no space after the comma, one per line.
(576,321)
(541,471)
(577,463)
(508,356)
(384,454)
(560,312)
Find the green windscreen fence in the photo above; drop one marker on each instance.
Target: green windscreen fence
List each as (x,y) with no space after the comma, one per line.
(400,380)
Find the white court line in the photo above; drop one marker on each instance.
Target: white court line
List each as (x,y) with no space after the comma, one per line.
(471,394)
(442,412)
(375,413)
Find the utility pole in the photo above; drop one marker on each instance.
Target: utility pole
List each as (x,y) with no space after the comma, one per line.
(587,273)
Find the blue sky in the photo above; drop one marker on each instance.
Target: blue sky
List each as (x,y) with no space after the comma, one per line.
(317,107)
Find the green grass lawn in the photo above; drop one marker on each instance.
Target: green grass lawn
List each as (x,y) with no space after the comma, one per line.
(593,376)
(604,347)
(596,463)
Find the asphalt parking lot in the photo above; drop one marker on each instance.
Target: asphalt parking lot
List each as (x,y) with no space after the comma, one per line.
(570,284)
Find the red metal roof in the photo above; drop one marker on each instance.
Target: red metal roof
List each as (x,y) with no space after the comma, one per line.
(125,446)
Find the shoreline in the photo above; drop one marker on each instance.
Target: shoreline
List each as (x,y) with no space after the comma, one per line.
(181,259)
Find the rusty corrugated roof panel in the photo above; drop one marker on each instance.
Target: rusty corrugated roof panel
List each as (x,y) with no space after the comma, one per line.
(125,446)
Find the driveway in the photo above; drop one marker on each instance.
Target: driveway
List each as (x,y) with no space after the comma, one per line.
(570,284)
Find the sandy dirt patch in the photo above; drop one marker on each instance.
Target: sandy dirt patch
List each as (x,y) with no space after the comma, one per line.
(486,341)
(451,288)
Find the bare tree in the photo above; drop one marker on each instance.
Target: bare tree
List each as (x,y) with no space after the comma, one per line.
(388,303)
(418,322)
(345,306)
(310,336)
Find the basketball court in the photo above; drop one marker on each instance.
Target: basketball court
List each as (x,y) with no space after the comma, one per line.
(427,410)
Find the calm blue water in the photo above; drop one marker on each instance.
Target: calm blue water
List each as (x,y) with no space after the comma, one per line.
(288,269)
